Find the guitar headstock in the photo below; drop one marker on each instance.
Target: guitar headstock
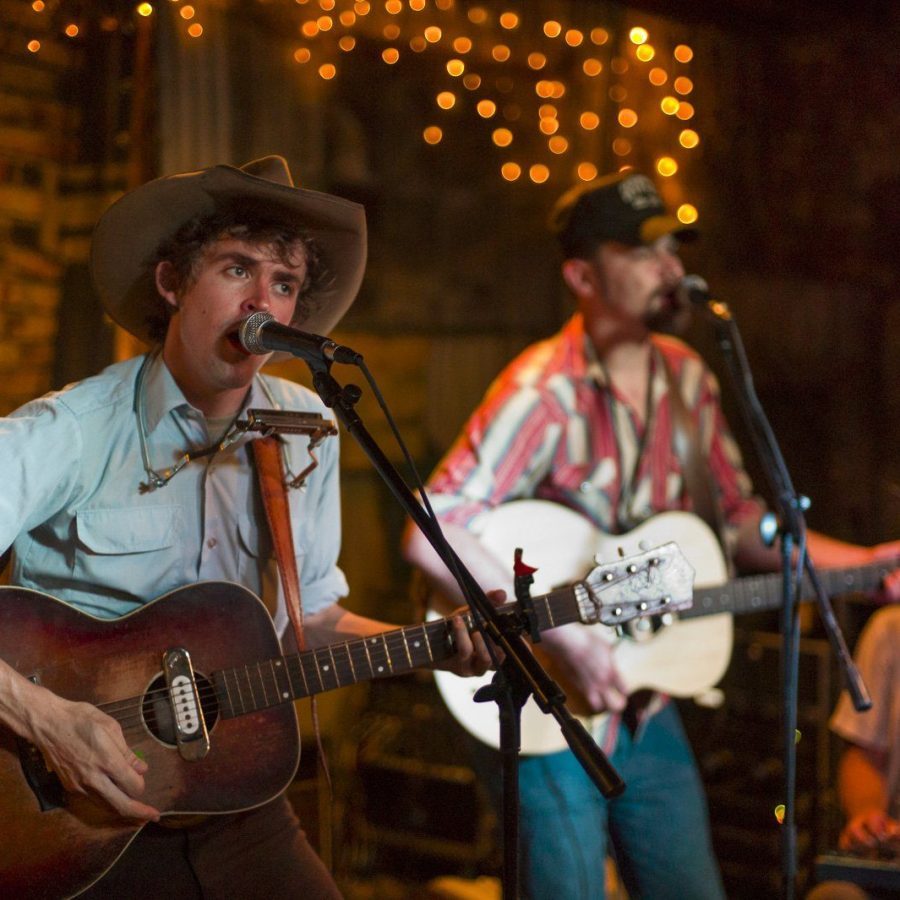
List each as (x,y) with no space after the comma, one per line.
(656,581)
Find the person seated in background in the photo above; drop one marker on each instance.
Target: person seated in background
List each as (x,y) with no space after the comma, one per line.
(869,769)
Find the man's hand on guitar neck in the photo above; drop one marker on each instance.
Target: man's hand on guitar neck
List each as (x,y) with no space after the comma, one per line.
(82,745)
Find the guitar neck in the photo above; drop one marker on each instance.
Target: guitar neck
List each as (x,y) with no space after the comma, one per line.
(758,593)
(249,688)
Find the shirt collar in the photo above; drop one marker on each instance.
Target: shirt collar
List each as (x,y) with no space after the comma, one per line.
(161,394)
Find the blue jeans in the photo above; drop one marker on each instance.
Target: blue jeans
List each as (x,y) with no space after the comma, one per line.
(659,827)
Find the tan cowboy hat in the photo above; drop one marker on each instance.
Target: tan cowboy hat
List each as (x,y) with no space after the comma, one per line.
(131,230)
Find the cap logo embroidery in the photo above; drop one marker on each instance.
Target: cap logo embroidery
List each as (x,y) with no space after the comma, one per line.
(639,192)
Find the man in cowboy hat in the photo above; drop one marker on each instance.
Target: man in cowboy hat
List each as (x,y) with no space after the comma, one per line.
(134,482)
(586,419)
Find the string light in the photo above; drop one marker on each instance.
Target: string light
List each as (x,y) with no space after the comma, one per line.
(554,84)
(687,214)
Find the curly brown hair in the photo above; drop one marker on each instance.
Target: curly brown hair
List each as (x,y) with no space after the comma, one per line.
(185,248)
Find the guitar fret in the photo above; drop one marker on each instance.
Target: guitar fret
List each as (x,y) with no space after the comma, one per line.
(346,646)
(406,647)
(306,691)
(262,684)
(284,691)
(387,653)
(314,656)
(223,694)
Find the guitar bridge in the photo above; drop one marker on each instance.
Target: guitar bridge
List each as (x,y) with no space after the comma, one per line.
(189,722)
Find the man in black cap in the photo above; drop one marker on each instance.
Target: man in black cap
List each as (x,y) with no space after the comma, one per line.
(137,482)
(588,419)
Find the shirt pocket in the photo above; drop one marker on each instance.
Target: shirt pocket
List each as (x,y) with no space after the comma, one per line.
(134,551)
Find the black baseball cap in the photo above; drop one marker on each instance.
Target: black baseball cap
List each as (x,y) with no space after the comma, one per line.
(623,207)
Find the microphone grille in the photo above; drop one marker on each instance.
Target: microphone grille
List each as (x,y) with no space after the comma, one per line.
(250,331)
(692,289)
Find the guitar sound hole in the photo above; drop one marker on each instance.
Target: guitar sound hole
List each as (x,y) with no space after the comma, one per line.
(157,710)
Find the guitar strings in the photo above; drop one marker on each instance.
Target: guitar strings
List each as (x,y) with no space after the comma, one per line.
(129,712)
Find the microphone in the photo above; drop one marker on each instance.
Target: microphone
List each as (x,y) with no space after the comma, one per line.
(260,333)
(692,290)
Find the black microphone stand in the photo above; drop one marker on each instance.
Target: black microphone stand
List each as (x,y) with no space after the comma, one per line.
(790,531)
(519,675)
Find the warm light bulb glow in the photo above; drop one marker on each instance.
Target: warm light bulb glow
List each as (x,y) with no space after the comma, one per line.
(683,53)
(621,146)
(390,55)
(511,171)
(589,120)
(327,5)
(347,43)
(669,105)
(509,20)
(638,35)
(477,15)
(627,118)
(362,7)
(687,214)
(547,111)
(418,44)
(559,90)
(455,67)
(502,137)
(486,108)
(658,76)
(685,111)
(195,30)
(417,5)
(617,93)
(327,71)
(186,12)
(558,144)
(683,85)
(347,18)
(586,171)
(501,53)
(645,53)
(432,134)
(538,173)
(462,45)
(309,29)
(325,23)
(72,30)
(552,29)
(393,7)
(666,166)
(599,36)
(446,100)
(433,34)
(38,6)
(549,126)
(536,61)
(574,38)
(689,138)
(472,81)
(145,9)
(33,46)
(302,55)
(592,67)
(544,89)
(391,32)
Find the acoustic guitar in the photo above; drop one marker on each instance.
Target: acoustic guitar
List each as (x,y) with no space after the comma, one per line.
(682,656)
(198,683)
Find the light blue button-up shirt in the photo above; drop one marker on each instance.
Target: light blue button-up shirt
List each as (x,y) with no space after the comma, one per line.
(82,530)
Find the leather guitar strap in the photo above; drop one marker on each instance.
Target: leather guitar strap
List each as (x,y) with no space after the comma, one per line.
(270,471)
(697,475)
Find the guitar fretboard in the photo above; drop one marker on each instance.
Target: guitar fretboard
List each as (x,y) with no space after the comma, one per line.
(758,593)
(249,688)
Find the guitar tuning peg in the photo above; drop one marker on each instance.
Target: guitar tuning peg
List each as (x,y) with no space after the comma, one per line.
(643,546)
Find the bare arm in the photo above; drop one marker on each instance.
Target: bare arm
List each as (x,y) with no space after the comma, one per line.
(83,746)
(334,624)
(862,787)
(584,657)
(753,556)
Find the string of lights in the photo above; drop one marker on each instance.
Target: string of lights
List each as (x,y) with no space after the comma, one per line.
(557,96)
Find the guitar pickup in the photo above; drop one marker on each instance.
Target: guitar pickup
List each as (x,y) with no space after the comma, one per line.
(189,723)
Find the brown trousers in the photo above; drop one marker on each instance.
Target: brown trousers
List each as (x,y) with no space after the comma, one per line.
(261,853)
